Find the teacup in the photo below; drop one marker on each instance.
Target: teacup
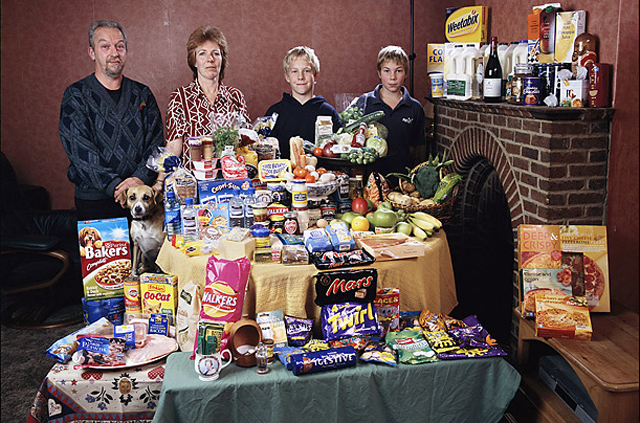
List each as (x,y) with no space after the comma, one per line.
(208,367)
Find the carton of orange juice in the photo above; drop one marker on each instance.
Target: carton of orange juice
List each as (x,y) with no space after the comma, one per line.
(159,293)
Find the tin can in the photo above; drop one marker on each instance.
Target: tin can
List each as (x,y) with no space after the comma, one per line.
(599,85)
(132,302)
(277,223)
(344,206)
(328,210)
(531,90)
(343,189)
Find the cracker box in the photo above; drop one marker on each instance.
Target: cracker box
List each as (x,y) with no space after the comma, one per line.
(105,257)
(387,303)
(466,24)
(568,26)
(558,316)
(220,191)
(159,293)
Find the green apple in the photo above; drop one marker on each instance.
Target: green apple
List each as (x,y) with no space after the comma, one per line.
(385,218)
(404,228)
(385,205)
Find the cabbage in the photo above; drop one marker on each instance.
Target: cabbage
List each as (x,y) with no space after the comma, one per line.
(344,138)
(378,144)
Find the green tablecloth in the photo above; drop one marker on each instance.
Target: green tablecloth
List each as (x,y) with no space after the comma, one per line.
(469,390)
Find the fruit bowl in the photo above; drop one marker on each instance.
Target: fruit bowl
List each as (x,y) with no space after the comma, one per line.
(317,190)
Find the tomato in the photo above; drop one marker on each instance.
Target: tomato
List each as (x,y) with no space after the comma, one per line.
(317,151)
(321,170)
(300,172)
(310,178)
(359,205)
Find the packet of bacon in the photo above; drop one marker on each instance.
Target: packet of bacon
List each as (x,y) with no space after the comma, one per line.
(233,167)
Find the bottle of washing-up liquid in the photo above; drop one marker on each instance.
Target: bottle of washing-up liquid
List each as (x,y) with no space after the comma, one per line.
(189,221)
(236,210)
(451,53)
(172,222)
(474,68)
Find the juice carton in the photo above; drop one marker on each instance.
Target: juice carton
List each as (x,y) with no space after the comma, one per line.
(541,32)
(568,26)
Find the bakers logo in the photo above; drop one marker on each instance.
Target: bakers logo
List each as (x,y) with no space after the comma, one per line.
(219,300)
(110,249)
(465,24)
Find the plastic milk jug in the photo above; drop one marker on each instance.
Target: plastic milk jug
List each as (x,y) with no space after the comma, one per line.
(474,68)
(520,54)
(459,82)
(451,53)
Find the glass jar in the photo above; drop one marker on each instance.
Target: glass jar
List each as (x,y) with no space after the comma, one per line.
(299,193)
(259,212)
(522,70)
(207,147)
(261,236)
(291,225)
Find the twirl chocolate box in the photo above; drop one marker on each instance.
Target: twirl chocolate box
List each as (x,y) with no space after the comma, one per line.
(105,257)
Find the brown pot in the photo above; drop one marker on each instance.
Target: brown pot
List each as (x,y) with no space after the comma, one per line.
(245,335)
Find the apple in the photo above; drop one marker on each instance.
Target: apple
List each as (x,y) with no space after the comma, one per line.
(326,151)
(360,205)
(384,218)
(385,205)
(370,205)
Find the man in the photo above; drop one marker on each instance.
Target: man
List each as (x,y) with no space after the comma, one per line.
(109,126)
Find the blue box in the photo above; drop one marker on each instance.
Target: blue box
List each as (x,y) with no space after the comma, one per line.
(220,191)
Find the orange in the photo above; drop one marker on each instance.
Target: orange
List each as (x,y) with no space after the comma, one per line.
(360,223)
(300,172)
(310,178)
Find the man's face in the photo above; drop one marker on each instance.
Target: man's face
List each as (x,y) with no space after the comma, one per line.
(109,53)
(300,76)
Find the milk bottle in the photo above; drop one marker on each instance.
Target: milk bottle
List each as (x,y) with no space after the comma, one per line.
(509,67)
(474,68)
(502,56)
(451,52)
(458,81)
(520,54)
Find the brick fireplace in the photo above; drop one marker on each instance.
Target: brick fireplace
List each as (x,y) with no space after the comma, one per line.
(551,163)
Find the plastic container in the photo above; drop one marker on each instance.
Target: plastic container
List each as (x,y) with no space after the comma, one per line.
(451,54)
(261,236)
(172,215)
(236,210)
(189,221)
(299,197)
(249,201)
(259,212)
(520,54)
(474,68)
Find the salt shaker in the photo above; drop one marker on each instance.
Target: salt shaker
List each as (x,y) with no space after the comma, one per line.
(261,359)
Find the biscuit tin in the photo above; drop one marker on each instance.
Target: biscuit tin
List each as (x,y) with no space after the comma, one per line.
(105,257)
(159,293)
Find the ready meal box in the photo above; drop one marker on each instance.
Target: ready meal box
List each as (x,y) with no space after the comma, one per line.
(105,257)
(559,316)
(393,246)
(563,259)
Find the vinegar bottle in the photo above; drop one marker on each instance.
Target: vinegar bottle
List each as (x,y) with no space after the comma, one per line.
(492,83)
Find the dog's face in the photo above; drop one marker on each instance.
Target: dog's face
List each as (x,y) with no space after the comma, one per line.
(141,200)
(89,236)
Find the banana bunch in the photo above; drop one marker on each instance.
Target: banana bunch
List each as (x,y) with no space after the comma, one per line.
(423,224)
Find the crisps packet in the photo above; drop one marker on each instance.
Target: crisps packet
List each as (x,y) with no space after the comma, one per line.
(411,346)
(223,295)
(379,352)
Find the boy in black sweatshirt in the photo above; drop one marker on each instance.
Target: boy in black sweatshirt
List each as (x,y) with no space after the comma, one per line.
(297,111)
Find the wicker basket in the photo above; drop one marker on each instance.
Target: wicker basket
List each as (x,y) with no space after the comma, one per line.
(443,211)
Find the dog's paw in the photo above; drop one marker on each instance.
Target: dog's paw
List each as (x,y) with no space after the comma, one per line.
(83,253)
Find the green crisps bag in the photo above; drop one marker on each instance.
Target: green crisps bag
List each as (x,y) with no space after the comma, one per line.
(411,346)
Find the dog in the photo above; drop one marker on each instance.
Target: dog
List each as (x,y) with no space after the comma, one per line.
(147,211)
(89,237)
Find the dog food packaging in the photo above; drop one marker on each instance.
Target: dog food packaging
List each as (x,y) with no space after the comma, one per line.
(159,293)
(105,256)
(111,308)
(387,303)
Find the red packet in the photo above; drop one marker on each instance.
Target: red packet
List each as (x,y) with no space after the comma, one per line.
(233,167)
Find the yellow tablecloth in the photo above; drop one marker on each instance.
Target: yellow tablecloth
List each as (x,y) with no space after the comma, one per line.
(424,282)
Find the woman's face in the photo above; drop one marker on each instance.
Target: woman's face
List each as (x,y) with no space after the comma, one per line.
(208,60)
(391,75)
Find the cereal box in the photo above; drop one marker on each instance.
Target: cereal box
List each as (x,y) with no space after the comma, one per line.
(105,257)
(159,293)
(568,26)
(213,221)
(466,24)
(558,316)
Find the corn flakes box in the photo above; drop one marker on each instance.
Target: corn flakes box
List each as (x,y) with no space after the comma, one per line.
(159,293)
(105,257)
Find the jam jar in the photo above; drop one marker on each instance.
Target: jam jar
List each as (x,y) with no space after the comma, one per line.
(291,225)
(522,70)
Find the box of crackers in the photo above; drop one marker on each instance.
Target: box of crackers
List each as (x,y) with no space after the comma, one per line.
(159,293)
(559,316)
(105,257)
(563,259)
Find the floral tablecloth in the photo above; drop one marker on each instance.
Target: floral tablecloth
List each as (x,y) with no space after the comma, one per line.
(90,395)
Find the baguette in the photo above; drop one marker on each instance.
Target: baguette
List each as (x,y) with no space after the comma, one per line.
(295,147)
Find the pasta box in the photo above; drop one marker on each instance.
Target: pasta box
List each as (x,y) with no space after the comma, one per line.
(105,257)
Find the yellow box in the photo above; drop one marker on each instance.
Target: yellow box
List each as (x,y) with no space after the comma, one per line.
(232,250)
(467,24)
(159,293)
(568,26)
(435,58)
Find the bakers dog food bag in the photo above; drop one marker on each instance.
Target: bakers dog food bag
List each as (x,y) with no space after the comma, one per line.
(105,257)
(223,296)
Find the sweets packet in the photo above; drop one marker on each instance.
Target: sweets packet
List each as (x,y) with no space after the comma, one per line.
(349,319)
(347,285)
(378,351)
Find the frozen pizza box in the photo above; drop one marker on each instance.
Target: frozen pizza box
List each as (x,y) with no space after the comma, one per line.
(393,246)
(571,259)
(105,257)
(558,316)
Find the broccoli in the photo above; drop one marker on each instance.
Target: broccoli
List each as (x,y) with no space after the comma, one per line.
(426,180)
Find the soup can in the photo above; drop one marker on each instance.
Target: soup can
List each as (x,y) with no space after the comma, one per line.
(531,90)
(132,302)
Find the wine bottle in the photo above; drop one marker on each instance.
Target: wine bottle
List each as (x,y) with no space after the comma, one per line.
(492,84)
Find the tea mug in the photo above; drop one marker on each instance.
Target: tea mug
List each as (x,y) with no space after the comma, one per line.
(208,367)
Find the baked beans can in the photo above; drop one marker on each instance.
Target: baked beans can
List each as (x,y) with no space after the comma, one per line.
(132,302)
(531,90)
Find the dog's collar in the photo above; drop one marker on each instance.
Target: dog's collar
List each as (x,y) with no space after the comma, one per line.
(141,218)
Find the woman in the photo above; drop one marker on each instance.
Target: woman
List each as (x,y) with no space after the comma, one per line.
(191,106)
(403,115)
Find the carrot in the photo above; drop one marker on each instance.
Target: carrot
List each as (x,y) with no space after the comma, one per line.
(303,160)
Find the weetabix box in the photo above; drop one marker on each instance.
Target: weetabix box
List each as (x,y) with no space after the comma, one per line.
(105,257)
(466,24)
(159,293)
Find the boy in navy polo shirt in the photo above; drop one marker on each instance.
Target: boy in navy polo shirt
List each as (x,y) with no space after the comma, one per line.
(297,111)
(403,115)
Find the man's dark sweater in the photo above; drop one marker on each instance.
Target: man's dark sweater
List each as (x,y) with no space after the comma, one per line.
(295,119)
(108,142)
